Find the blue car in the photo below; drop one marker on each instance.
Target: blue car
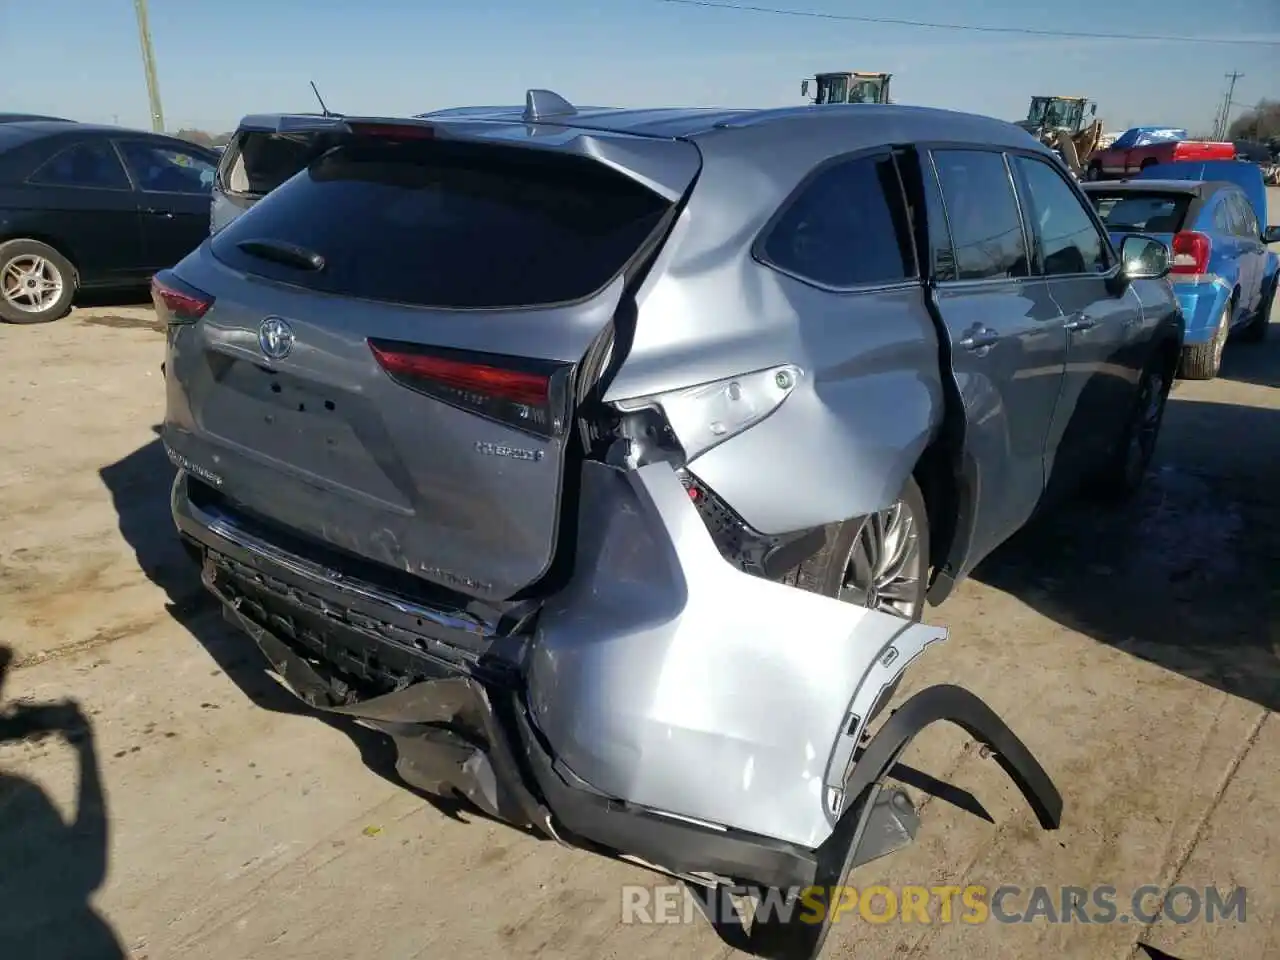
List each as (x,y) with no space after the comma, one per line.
(1212,215)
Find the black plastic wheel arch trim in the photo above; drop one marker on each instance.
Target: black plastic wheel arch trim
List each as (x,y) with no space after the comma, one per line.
(799,940)
(967,711)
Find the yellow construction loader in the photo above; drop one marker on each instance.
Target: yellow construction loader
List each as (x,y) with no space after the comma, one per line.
(1059,123)
(848,86)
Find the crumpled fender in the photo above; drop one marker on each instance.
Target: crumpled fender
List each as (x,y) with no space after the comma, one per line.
(666,677)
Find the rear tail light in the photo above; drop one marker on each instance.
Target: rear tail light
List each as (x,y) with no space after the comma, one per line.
(178,302)
(1191,251)
(530,395)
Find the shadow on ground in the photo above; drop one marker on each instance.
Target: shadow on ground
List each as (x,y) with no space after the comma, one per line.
(1188,575)
(1257,363)
(139,487)
(49,868)
(100,301)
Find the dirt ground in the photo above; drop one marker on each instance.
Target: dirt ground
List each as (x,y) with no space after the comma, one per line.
(197,812)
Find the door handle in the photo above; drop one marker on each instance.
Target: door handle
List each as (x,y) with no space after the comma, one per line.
(159,213)
(1080,321)
(978,338)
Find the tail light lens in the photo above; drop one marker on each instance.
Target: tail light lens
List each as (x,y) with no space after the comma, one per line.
(176,301)
(530,395)
(1191,251)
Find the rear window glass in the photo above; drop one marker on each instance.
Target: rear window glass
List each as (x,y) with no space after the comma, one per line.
(259,162)
(1149,212)
(848,226)
(449,225)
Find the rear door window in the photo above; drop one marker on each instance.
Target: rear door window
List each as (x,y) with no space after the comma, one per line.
(258,162)
(1132,212)
(158,168)
(451,225)
(93,164)
(1242,219)
(982,212)
(1068,241)
(847,227)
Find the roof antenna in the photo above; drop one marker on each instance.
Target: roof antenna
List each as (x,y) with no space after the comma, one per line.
(323,109)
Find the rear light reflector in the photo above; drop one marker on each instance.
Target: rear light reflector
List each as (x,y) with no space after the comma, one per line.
(1191,252)
(530,395)
(178,302)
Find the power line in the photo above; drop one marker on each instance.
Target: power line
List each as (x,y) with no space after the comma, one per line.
(971,27)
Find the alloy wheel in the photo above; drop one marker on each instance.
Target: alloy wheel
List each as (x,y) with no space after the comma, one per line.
(1146,426)
(886,564)
(30,283)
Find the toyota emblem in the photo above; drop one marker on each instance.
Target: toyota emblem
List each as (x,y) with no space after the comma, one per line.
(275,337)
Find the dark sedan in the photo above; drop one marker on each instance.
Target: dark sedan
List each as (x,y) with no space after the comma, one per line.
(90,207)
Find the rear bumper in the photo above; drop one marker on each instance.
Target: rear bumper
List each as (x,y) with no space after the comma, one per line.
(1202,301)
(664,707)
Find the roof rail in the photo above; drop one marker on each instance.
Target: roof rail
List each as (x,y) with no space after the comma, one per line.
(541,104)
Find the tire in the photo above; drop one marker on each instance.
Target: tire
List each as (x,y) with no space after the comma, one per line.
(901,581)
(1202,361)
(1123,475)
(1094,171)
(1149,162)
(1256,329)
(37,283)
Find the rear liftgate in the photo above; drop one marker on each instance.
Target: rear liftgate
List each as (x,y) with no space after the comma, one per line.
(670,709)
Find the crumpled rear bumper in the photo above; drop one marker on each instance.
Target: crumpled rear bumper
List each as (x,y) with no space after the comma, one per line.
(664,706)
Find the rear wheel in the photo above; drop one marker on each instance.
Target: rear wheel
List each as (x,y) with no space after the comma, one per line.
(1202,361)
(1256,330)
(36,282)
(1094,172)
(1124,474)
(880,561)
(1149,162)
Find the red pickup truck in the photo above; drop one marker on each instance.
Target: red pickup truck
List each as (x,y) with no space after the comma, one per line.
(1121,161)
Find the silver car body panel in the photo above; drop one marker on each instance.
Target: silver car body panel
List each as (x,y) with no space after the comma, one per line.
(666,677)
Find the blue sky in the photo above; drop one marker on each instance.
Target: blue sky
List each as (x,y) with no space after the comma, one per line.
(220,60)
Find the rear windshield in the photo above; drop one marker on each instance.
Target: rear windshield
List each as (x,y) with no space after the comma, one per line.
(1142,212)
(449,225)
(257,163)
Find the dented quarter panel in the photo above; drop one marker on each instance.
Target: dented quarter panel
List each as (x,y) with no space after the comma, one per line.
(871,398)
(666,677)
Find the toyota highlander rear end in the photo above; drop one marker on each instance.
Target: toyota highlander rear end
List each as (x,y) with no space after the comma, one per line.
(387,402)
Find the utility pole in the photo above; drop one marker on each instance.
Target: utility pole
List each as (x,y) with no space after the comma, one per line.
(149,66)
(1224,119)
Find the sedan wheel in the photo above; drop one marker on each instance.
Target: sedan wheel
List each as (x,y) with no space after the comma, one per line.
(886,567)
(36,282)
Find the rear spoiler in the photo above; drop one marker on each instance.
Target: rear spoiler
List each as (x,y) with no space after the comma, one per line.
(286,123)
(655,162)
(539,105)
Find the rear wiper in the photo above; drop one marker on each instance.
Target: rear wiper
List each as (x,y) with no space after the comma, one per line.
(287,254)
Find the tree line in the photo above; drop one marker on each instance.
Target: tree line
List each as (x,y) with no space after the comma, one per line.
(204,138)
(1260,124)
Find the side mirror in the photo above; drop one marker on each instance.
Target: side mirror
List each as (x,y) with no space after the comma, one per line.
(804,88)
(1093,109)
(1142,258)
(1271,235)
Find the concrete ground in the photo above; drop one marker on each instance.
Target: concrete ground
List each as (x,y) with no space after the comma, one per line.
(1136,651)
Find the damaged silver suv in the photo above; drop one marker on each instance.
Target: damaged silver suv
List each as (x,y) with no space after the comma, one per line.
(606,458)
